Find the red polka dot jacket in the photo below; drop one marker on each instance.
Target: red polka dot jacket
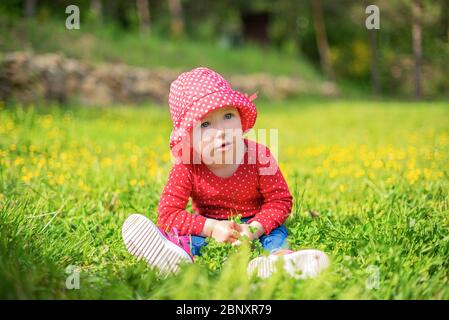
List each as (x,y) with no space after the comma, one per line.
(257,189)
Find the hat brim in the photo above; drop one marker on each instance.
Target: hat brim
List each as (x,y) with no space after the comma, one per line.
(211,102)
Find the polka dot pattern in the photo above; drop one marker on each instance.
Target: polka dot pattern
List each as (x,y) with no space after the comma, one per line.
(266,197)
(195,93)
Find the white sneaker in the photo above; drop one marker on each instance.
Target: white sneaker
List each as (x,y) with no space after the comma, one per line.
(298,264)
(144,239)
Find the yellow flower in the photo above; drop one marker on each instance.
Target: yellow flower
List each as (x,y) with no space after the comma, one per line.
(167,156)
(41,163)
(83,186)
(377,164)
(106,162)
(443,139)
(400,155)
(133,160)
(26,178)
(411,164)
(152,171)
(60,179)
(427,173)
(46,121)
(18,161)
(333,173)
(413,175)
(359,173)
(63,156)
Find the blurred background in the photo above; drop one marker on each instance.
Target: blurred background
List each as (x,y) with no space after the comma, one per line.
(363,123)
(128,52)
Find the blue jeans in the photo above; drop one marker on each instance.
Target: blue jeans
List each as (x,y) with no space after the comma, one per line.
(277,239)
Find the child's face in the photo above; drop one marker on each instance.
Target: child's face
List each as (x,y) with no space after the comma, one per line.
(217,136)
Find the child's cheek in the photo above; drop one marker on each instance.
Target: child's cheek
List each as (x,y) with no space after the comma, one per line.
(207,149)
(207,140)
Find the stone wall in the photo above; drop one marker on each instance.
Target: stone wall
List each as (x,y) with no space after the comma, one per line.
(28,78)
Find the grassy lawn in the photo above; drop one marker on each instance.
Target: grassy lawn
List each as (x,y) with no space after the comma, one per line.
(377,174)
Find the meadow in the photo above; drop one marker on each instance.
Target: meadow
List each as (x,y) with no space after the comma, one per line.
(369,180)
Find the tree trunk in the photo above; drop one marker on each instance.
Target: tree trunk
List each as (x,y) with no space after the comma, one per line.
(447,11)
(375,84)
(30,8)
(417,45)
(321,39)
(96,6)
(177,24)
(143,11)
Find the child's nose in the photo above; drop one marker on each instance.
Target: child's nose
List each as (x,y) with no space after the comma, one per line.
(220,133)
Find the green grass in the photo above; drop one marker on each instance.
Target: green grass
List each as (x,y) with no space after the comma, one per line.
(377,174)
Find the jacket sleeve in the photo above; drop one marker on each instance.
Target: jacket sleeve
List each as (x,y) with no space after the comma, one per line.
(172,211)
(277,203)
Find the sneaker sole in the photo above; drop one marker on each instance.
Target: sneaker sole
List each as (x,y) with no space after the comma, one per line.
(300,265)
(143,239)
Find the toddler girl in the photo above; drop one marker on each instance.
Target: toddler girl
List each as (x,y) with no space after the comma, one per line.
(225,175)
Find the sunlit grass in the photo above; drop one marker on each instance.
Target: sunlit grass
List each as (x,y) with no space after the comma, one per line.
(376,173)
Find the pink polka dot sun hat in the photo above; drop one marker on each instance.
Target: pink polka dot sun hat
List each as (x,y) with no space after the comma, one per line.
(199,91)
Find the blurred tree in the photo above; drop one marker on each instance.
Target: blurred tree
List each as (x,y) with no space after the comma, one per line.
(417,44)
(408,56)
(121,13)
(445,15)
(30,8)
(255,27)
(143,12)
(96,9)
(375,84)
(321,39)
(177,23)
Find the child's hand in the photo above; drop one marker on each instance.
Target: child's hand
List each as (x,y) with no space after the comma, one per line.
(246,231)
(226,231)
(252,231)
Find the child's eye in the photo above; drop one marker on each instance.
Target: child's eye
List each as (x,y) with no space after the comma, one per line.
(228,115)
(205,124)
